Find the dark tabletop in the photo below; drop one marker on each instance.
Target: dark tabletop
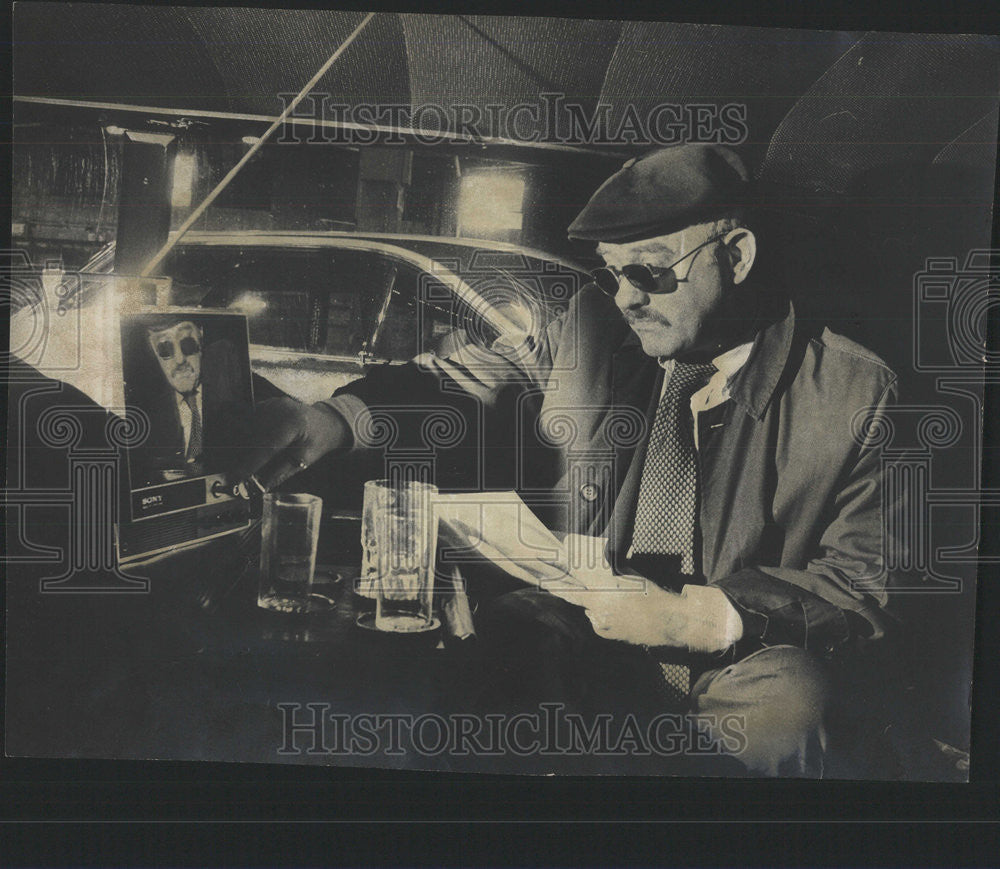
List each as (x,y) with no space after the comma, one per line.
(194,669)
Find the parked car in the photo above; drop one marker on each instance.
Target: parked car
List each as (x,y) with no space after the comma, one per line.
(324,306)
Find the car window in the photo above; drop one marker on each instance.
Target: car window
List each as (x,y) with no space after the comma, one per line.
(421,312)
(321,301)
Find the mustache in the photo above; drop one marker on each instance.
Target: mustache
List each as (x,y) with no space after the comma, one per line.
(643,316)
(183,368)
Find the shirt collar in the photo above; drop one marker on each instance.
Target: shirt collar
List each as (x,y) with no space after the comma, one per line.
(728,363)
(179,396)
(754,384)
(733,360)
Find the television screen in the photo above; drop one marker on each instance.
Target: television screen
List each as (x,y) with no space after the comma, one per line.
(188,387)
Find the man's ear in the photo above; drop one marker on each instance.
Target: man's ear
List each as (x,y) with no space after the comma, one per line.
(742,246)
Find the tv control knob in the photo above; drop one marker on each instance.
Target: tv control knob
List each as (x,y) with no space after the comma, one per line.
(219,489)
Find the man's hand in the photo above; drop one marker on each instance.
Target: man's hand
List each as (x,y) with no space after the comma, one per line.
(634,610)
(286,436)
(639,612)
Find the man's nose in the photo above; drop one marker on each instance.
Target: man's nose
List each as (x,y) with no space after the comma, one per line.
(629,296)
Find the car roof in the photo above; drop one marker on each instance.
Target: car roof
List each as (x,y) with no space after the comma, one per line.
(306,238)
(381,243)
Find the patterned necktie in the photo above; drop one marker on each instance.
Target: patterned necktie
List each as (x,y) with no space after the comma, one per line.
(666,513)
(667,510)
(194,444)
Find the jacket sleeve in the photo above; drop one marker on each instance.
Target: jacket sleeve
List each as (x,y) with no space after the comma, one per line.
(840,595)
(469,371)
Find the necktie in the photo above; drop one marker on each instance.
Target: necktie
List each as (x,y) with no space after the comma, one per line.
(194,443)
(667,511)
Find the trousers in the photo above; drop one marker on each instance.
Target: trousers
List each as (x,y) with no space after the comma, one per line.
(766,713)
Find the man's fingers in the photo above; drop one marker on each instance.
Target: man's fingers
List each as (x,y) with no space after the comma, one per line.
(271,432)
(599,621)
(603,579)
(252,461)
(259,456)
(464,379)
(568,592)
(281,468)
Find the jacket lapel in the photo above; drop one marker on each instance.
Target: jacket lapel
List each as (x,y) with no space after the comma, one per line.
(757,382)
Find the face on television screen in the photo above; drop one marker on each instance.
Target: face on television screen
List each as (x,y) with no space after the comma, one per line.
(188,387)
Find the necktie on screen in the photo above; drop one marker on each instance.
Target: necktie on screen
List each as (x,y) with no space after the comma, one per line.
(667,510)
(194,443)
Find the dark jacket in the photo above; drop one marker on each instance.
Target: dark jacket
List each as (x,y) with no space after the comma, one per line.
(791,514)
(226,405)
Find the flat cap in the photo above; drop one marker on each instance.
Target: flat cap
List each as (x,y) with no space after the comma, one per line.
(663,192)
(157,321)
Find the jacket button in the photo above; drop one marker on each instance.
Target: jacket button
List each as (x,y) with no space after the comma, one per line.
(589,492)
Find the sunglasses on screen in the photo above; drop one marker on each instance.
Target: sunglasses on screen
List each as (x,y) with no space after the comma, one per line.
(189,347)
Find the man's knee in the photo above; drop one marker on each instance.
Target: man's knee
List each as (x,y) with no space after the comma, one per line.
(778,698)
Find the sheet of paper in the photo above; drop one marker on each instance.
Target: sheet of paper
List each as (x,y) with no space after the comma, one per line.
(501,528)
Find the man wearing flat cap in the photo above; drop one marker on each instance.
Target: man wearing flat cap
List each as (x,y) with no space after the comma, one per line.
(747,494)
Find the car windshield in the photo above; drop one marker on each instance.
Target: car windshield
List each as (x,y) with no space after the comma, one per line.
(370,305)
(315,301)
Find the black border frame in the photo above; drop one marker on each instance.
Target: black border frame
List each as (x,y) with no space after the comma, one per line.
(304,801)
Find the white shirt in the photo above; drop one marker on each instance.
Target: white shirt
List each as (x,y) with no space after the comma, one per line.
(184,409)
(716,391)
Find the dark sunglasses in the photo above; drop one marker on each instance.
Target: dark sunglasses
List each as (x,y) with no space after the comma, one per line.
(189,347)
(654,280)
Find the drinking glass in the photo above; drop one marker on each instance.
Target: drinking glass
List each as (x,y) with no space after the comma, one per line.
(288,551)
(399,538)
